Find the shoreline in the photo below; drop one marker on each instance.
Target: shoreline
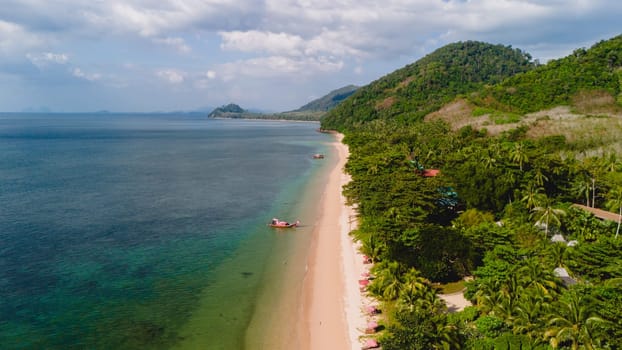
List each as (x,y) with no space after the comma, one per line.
(318,302)
(331,315)
(322,322)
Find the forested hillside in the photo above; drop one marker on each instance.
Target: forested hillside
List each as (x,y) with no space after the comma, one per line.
(329,101)
(498,218)
(410,93)
(557,82)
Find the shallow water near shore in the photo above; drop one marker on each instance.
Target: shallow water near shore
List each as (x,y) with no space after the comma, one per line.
(147,231)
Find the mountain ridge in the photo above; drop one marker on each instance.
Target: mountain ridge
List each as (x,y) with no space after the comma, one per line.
(312,111)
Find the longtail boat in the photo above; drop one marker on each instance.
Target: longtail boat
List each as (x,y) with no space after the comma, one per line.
(282,224)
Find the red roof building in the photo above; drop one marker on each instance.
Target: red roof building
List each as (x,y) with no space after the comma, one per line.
(431,172)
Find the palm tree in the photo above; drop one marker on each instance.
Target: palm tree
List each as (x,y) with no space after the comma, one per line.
(487,294)
(506,310)
(555,254)
(488,160)
(531,195)
(528,318)
(540,178)
(532,275)
(615,203)
(371,246)
(610,162)
(373,169)
(388,281)
(510,290)
(596,171)
(548,213)
(518,154)
(414,289)
(487,301)
(573,320)
(581,188)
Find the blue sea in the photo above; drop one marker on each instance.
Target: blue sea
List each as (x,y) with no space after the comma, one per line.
(133,231)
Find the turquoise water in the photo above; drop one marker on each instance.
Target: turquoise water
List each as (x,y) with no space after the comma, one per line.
(116,229)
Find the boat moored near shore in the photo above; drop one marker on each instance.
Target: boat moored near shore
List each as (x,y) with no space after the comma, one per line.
(282,224)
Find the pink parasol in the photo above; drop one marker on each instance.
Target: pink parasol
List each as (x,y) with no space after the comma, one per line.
(371,309)
(365,274)
(371,343)
(372,325)
(363,282)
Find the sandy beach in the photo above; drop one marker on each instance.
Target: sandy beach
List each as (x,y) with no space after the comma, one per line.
(332,316)
(334,313)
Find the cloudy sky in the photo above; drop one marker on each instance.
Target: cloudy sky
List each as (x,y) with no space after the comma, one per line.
(276,55)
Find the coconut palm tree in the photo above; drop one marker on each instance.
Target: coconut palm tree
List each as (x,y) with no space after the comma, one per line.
(547,214)
(488,160)
(487,295)
(532,194)
(610,162)
(518,154)
(510,291)
(414,289)
(528,319)
(555,254)
(573,320)
(581,187)
(539,177)
(388,281)
(532,275)
(372,247)
(615,203)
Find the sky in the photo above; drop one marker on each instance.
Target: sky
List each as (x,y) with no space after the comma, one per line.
(272,55)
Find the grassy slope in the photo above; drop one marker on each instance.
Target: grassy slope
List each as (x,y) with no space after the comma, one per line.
(586,109)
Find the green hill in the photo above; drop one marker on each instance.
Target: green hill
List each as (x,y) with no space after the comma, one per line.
(422,87)
(229,111)
(494,80)
(330,101)
(560,81)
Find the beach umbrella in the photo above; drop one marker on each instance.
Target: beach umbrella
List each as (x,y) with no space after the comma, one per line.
(363,282)
(371,309)
(372,325)
(371,343)
(365,274)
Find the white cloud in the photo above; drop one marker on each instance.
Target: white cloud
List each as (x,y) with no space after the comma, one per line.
(331,43)
(43,59)
(172,76)
(257,41)
(205,80)
(178,44)
(14,38)
(276,66)
(154,18)
(279,42)
(78,73)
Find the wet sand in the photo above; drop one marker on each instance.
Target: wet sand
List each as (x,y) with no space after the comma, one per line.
(324,311)
(322,321)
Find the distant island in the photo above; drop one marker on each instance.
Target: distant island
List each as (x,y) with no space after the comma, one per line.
(312,111)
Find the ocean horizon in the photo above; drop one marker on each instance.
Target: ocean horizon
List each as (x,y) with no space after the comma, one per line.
(132,230)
